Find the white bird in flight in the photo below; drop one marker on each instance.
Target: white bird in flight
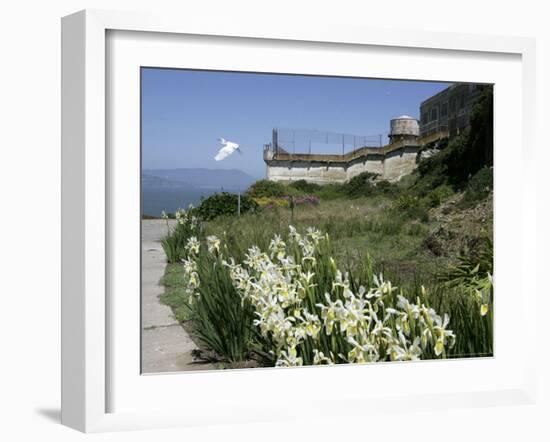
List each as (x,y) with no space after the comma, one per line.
(228,148)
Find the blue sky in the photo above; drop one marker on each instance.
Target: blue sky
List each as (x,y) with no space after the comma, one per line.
(185,111)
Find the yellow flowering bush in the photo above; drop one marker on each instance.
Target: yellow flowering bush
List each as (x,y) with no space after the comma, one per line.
(271,201)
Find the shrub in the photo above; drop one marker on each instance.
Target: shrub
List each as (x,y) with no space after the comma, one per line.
(417,212)
(360,185)
(270,202)
(311,200)
(287,201)
(442,143)
(433,172)
(409,206)
(331,191)
(225,203)
(384,187)
(482,181)
(435,197)
(479,187)
(267,188)
(305,186)
(404,202)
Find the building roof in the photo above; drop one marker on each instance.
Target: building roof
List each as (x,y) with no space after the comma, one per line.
(404,117)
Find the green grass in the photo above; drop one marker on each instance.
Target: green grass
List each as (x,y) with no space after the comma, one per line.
(221,322)
(174,295)
(217,320)
(356,227)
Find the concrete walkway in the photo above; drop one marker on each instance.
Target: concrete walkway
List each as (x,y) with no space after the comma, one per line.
(165,345)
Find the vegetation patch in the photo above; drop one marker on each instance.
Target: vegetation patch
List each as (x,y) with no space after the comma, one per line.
(383,234)
(225,203)
(478,188)
(267,189)
(174,295)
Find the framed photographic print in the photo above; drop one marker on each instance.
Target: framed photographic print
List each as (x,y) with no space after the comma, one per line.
(308,247)
(265,221)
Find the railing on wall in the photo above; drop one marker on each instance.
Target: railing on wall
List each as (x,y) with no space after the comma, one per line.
(433,127)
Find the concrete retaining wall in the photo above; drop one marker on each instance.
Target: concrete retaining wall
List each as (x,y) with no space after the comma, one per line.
(316,173)
(391,163)
(398,164)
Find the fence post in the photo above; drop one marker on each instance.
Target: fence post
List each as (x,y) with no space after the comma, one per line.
(239,204)
(274,140)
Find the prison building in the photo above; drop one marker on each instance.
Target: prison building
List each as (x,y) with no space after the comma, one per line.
(447,113)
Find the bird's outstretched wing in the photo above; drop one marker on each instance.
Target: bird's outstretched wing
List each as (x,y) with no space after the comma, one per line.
(222,140)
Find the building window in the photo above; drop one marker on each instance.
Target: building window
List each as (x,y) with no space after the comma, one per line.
(425,118)
(462,100)
(453,104)
(434,114)
(443,110)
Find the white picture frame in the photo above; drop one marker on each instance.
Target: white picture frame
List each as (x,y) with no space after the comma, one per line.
(86,204)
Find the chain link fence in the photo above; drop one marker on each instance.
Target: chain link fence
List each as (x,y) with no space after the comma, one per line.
(309,141)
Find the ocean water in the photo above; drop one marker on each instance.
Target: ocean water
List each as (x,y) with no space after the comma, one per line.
(154,201)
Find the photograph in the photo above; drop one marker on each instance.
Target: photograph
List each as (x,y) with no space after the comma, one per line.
(297,220)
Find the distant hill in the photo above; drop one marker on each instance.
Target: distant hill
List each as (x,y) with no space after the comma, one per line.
(155,182)
(228,179)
